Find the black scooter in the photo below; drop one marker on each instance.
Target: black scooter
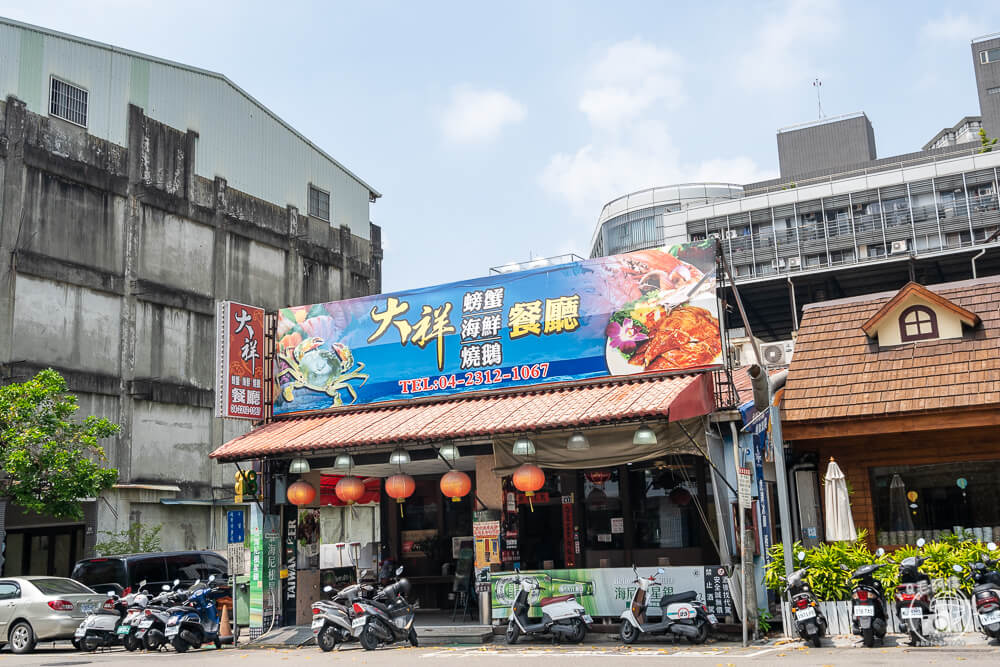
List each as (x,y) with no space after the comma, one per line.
(986,594)
(810,622)
(868,604)
(385,619)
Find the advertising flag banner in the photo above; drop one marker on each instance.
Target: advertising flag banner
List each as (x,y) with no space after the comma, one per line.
(240,362)
(647,311)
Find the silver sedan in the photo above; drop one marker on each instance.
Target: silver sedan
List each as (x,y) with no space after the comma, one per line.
(33,609)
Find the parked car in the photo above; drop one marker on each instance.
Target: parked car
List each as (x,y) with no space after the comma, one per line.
(122,573)
(34,609)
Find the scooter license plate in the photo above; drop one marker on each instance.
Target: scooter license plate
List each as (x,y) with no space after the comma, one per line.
(318,623)
(712,619)
(911,612)
(990,618)
(172,631)
(358,623)
(864,610)
(587,619)
(123,629)
(803,614)
(146,623)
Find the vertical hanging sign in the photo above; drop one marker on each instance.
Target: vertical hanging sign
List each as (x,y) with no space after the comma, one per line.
(239,364)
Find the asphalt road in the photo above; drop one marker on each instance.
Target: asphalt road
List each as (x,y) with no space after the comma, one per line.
(717,655)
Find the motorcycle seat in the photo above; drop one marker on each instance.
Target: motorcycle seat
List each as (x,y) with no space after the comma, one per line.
(982,588)
(557,598)
(686,596)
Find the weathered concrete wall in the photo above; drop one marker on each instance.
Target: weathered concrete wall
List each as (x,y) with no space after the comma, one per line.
(112,259)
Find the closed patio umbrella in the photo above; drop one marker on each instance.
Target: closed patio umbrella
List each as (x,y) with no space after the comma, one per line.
(839,522)
(899,506)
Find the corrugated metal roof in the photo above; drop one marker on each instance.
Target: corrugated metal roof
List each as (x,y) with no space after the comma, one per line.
(540,409)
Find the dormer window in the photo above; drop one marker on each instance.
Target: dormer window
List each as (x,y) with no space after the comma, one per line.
(917,323)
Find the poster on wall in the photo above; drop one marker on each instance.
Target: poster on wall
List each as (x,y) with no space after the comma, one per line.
(607,591)
(239,363)
(652,310)
(307,532)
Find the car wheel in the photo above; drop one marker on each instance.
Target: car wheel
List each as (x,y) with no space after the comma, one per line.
(21,638)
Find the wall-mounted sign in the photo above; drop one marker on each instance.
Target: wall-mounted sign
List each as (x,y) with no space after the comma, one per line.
(239,386)
(653,310)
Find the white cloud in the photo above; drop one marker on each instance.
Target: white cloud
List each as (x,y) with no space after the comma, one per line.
(628,94)
(951,28)
(478,115)
(631,77)
(783,51)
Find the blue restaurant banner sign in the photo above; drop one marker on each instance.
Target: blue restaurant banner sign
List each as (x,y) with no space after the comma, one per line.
(652,310)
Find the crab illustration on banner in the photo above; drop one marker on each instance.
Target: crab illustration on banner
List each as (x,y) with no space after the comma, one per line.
(648,311)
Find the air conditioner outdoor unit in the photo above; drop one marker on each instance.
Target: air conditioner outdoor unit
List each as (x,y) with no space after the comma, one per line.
(898,247)
(778,354)
(793,262)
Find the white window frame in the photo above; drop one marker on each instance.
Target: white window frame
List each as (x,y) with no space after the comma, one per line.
(329,202)
(984,56)
(52,79)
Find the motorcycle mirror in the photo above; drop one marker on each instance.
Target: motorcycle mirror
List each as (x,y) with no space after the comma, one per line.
(399,570)
(165,587)
(327,589)
(957,568)
(659,570)
(802,555)
(921,542)
(176,581)
(111,594)
(142,583)
(211,579)
(880,552)
(992,546)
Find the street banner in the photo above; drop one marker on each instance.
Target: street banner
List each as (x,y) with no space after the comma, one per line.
(239,361)
(606,592)
(647,311)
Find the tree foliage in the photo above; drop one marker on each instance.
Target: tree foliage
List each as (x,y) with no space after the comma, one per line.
(987,143)
(132,540)
(49,460)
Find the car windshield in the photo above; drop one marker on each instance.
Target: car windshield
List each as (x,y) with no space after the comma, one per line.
(60,586)
(100,572)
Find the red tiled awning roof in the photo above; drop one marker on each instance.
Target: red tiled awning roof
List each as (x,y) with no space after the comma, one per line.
(537,409)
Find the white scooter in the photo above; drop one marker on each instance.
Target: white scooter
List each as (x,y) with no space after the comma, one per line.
(681,614)
(562,616)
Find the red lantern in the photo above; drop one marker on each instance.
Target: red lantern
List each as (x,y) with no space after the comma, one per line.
(301,493)
(400,487)
(455,484)
(529,478)
(350,489)
(598,477)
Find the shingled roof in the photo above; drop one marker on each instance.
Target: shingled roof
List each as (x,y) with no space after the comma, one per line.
(838,374)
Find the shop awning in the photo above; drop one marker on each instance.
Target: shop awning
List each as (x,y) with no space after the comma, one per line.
(538,409)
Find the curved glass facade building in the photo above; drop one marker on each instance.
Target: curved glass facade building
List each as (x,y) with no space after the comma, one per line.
(636,220)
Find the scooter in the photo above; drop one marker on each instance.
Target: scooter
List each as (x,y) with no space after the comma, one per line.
(127,628)
(986,594)
(153,625)
(386,619)
(562,616)
(810,622)
(331,622)
(196,622)
(868,604)
(680,614)
(913,597)
(99,629)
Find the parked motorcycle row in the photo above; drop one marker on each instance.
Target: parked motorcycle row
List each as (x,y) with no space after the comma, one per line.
(184,618)
(913,597)
(362,612)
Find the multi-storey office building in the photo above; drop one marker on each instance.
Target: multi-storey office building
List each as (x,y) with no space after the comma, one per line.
(840,221)
(135,193)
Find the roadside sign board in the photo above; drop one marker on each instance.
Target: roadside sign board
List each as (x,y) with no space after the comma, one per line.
(234,522)
(237,559)
(745,486)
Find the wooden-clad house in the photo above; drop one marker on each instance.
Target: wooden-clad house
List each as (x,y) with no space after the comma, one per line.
(903,389)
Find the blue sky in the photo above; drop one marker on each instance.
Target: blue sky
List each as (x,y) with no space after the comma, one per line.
(496,131)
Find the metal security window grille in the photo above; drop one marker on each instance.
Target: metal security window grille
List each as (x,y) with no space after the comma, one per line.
(319,203)
(68,102)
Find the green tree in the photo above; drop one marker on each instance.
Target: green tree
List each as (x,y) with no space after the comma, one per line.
(986,142)
(132,540)
(48,460)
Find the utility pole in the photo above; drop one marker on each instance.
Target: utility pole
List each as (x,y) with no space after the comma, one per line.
(817,84)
